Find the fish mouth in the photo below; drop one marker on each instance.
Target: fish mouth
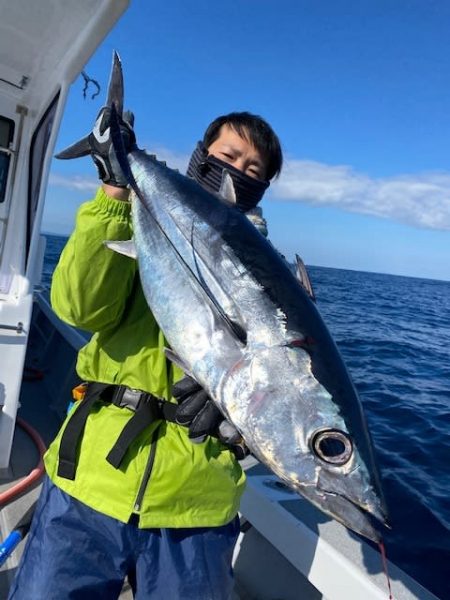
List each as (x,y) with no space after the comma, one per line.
(356,517)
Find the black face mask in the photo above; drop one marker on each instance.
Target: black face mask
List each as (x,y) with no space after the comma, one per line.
(207,171)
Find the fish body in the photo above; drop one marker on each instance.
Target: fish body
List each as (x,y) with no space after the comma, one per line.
(250,334)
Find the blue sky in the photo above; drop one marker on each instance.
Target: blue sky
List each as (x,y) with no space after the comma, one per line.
(358,92)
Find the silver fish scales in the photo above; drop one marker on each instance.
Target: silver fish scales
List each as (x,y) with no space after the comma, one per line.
(246,329)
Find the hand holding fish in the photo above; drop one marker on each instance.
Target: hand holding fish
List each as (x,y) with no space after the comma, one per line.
(199,413)
(102,149)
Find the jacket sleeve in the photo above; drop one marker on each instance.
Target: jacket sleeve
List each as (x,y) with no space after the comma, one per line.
(91,283)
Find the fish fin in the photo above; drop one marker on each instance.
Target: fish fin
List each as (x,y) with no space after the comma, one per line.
(125,247)
(115,86)
(227,190)
(302,275)
(121,153)
(115,100)
(80,148)
(237,328)
(176,360)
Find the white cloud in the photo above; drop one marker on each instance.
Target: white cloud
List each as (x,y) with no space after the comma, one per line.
(421,200)
(74,182)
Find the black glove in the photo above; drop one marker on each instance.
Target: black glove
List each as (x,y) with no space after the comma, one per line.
(102,149)
(198,412)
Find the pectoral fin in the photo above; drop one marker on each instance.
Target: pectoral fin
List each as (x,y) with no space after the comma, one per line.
(126,247)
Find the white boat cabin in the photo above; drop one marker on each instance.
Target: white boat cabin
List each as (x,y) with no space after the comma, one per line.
(43,47)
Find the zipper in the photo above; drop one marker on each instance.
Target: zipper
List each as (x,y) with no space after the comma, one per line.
(147,474)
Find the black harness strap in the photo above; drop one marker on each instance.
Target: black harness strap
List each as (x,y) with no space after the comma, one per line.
(147,409)
(147,413)
(73,432)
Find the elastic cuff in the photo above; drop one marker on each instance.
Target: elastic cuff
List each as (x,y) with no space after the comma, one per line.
(112,206)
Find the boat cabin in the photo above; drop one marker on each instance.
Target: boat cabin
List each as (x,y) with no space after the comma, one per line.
(43,47)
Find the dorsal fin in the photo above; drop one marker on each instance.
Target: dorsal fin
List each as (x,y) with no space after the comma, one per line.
(303,277)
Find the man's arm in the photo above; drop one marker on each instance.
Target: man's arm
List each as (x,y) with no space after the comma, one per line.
(91,283)
(116,192)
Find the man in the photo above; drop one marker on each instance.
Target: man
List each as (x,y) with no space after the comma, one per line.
(139,487)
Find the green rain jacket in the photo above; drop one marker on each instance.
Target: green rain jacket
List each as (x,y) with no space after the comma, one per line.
(98,290)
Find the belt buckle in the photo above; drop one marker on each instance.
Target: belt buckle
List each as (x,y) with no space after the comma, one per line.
(131,398)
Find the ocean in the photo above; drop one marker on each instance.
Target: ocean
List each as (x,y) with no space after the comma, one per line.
(394,335)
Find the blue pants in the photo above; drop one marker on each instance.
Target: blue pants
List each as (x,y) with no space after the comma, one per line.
(74,552)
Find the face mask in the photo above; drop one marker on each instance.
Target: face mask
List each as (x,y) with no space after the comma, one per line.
(207,171)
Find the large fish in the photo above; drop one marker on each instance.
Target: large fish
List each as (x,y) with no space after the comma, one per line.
(244,327)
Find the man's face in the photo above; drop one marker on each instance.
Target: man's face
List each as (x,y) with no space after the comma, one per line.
(238,152)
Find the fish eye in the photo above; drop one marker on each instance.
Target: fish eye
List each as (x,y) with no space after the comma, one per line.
(332,446)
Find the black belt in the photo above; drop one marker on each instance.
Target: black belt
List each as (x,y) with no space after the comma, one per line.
(147,409)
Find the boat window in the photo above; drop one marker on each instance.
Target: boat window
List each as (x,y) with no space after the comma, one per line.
(6,138)
(38,150)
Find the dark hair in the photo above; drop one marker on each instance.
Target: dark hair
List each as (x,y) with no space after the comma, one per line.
(257,131)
